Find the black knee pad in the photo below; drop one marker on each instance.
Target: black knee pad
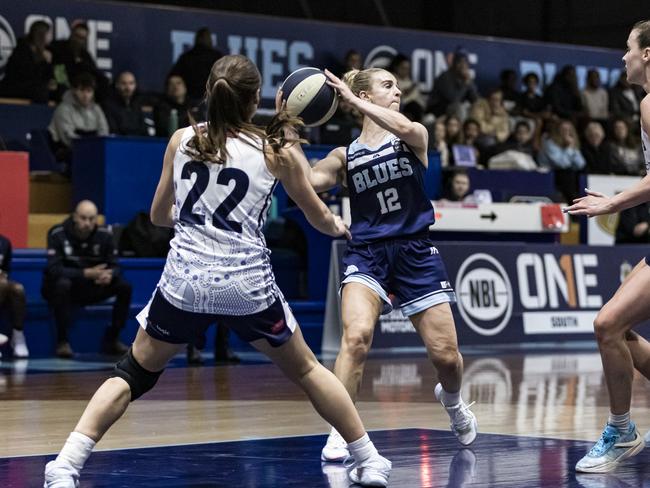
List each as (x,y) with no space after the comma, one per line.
(139,379)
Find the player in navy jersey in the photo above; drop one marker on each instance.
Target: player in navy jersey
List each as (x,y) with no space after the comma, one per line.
(215,188)
(390,250)
(621,349)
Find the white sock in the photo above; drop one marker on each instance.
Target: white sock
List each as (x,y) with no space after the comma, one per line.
(76,450)
(18,336)
(449,399)
(621,422)
(362,449)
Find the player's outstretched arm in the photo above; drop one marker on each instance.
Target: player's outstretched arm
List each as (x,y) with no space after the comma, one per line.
(327,172)
(290,172)
(595,203)
(163,199)
(413,133)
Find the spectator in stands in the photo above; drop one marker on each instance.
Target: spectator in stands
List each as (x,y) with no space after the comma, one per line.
(70,58)
(29,73)
(563,95)
(471,138)
(123,109)
(521,140)
(626,152)
(492,117)
(634,225)
(560,152)
(510,90)
(454,90)
(171,112)
(194,65)
(438,143)
(454,134)
(82,269)
(561,149)
(532,104)
(596,150)
(77,115)
(12,296)
(352,60)
(623,100)
(595,98)
(457,187)
(413,102)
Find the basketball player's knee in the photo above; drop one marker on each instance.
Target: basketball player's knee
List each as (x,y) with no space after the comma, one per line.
(140,380)
(357,345)
(446,358)
(605,327)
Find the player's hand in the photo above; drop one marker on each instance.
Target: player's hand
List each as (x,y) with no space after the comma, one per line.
(343,90)
(280,104)
(340,229)
(594,203)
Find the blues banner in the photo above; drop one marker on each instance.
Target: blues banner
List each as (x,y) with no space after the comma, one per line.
(148,39)
(507,293)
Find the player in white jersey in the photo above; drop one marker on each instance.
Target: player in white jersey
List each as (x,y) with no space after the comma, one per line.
(215,187)
(621,349)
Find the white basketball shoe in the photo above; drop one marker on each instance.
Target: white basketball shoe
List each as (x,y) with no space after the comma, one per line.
(335,449)
(374,471)
(59,474)
(462,421)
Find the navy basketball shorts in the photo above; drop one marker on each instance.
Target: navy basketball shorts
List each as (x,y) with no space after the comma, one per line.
(167,323)
(410,268)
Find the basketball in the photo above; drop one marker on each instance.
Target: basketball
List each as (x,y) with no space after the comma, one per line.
(309,97)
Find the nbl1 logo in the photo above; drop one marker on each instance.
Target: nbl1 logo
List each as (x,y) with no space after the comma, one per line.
(7,43)
(485,297)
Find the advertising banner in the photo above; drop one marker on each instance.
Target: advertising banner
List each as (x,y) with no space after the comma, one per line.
(508,293)
(601,230)
(148,39)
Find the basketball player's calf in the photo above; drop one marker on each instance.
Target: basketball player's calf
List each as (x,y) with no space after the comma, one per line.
(64,471)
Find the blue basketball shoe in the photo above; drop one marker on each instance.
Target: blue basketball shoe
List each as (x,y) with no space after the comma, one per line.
(612,448)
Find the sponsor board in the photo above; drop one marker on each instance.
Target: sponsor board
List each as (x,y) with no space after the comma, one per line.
(510,292)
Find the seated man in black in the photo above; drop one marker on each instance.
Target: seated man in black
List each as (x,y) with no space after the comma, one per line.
(82,269)
(123,108)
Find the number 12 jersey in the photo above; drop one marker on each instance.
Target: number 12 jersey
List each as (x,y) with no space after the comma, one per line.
(386,188)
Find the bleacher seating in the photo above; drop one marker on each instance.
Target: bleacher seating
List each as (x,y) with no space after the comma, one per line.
(87,331)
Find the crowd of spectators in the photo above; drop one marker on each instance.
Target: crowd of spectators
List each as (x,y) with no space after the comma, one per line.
(518,123)
(521,124)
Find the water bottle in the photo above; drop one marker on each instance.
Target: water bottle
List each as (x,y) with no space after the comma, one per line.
(173,121)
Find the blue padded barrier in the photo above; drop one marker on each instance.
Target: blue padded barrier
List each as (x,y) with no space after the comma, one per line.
(90,321)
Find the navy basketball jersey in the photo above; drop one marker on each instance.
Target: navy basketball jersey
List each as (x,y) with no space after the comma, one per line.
(386,187)
(645,144)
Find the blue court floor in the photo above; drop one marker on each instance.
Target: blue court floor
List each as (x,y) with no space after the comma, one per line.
(421,458)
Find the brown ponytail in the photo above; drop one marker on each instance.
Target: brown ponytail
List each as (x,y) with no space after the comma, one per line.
(232,97)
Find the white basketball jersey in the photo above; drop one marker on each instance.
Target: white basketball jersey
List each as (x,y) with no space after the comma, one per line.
(645,144)
(218,262)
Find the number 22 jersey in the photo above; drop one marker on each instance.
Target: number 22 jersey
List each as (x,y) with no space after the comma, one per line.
(386,188)
(218,262)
